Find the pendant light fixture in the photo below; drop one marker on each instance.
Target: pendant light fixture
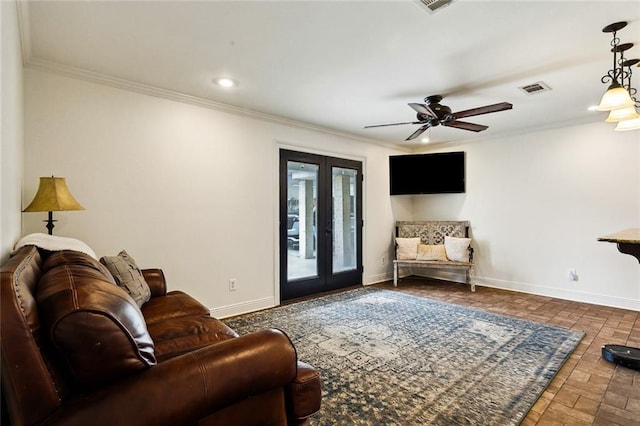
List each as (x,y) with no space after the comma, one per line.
(632,122)
(616,95)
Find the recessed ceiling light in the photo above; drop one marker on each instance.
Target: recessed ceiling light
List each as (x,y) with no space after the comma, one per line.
(425,139)
(225,82)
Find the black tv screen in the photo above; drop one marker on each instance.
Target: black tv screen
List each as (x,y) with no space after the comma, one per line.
(441,173)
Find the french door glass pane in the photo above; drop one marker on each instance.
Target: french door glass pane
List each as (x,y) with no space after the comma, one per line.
(302,190)
(344,216)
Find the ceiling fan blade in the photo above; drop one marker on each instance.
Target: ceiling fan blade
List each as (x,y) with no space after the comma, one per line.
(392,124)
(423,109)
(418,132)
(483,110)
(466,126)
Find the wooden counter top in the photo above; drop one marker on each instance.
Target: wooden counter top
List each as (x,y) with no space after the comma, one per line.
(630,236)
(628,241)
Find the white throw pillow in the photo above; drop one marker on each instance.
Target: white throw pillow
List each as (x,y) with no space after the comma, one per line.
(457,248)
(431,252)
(407,248)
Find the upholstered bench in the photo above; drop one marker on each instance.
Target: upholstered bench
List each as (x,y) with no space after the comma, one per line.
(434,245)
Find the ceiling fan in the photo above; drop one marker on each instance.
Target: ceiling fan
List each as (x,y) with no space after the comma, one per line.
(431,114)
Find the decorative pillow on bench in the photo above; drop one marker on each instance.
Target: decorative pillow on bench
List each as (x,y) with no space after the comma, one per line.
(457,249)
(432,252)
(407,248)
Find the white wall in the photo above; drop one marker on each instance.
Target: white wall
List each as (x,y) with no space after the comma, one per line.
(193,190)
(182,187)
(11,123)
(537,204)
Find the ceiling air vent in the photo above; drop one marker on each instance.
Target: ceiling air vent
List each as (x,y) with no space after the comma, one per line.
(532,89)
(434,5)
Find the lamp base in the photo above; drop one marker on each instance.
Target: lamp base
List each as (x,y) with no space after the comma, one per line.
(50,224)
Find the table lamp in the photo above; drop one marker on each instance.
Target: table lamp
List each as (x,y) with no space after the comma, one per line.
(52,196)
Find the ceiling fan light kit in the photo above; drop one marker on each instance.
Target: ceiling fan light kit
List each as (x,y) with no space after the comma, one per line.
(619,99)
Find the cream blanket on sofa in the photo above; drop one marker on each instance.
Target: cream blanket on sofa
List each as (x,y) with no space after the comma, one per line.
(54,243)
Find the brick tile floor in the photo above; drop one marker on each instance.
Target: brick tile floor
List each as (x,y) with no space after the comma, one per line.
(587,390)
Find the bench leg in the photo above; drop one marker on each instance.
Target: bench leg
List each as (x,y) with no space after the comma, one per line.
(471,279)
(395,274)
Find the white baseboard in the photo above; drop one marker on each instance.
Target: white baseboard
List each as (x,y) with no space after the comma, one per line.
(242,307)
(576,296)
(378,278)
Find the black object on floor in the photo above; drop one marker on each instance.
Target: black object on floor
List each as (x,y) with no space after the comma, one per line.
(624,355)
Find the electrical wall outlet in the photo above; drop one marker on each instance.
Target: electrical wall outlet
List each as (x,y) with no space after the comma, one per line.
(383,260)
(232,284)
(572,275)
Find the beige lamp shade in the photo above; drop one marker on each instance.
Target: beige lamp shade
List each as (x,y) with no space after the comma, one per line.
(626,125)
(53,196)
(615,97)
(622,114)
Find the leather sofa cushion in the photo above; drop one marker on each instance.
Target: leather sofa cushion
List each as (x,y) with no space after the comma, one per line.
(96,326)
(175,336)
(172,305)
(91,266)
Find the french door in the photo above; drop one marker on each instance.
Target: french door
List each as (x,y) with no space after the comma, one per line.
(320,223)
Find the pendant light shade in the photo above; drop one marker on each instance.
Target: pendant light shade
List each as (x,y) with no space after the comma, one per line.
(614,98)
(626,125)
(622,114)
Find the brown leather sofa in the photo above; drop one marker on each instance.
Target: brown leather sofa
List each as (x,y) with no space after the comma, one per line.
(77,350)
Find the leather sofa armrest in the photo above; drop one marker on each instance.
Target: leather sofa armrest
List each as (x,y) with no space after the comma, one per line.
(156,281)
(303,395)
(188,387)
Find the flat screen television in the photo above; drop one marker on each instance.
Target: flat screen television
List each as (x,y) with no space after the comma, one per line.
(441,173)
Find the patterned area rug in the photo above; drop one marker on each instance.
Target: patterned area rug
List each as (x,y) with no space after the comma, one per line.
(388,358)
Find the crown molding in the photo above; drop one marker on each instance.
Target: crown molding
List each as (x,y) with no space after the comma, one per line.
(133,86)
(22,7)
(30,61)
